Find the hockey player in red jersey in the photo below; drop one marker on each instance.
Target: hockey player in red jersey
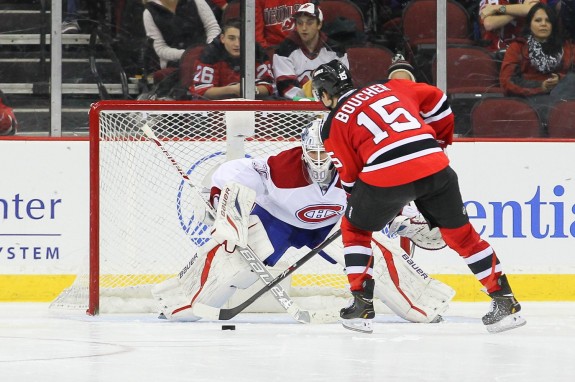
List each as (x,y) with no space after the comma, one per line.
(386,142)
(298,201)
(217,71)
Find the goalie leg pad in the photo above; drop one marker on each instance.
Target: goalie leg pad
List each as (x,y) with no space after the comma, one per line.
(211,276)
(405,288)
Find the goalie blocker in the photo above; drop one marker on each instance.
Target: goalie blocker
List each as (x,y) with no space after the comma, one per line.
(215,272)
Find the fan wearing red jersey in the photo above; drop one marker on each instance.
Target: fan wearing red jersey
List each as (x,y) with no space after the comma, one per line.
(386,142)
(274,21)
(217,71)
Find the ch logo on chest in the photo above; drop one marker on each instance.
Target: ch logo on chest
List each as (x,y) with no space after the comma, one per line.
(319,213)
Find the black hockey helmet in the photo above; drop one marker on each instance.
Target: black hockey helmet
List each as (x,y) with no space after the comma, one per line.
(333,78)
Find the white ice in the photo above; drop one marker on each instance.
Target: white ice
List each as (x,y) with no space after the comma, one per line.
(38,345)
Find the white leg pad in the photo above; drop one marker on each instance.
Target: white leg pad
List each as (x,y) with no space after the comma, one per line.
(405,287)
(222,274)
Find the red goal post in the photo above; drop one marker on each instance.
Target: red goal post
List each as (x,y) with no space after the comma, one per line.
(142,229)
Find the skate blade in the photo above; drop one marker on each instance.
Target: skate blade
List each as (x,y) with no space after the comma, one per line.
(510,322)
(361,325)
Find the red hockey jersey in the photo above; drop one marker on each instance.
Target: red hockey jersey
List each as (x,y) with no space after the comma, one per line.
(274,21)
(389,133)
(215,67)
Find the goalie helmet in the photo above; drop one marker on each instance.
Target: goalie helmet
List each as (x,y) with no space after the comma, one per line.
(317,163)
(333,78)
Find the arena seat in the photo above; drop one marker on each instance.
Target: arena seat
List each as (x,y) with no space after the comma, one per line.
(368,64)
(504,118)
(561,122)
(332,9)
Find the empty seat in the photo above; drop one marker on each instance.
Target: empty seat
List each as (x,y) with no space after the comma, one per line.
(419,24)
(232,11)
(368,64)
(561,121)
(332,9)
(471,72)
(504,118)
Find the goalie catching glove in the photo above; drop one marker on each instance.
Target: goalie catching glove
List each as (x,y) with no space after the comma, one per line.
(417,230)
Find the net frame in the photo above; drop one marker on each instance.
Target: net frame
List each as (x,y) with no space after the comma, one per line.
(151,107)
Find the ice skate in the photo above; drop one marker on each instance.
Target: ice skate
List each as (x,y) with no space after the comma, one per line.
(505,314)
(359,314)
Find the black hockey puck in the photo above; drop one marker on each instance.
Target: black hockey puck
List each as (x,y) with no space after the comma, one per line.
(228,327)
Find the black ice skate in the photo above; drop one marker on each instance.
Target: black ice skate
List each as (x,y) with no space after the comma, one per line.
(505,314)
(359,314)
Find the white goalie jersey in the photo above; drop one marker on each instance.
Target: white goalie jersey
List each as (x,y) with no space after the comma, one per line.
(283,190)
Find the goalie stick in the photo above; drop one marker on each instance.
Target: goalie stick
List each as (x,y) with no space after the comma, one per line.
(207,311)
(247,253)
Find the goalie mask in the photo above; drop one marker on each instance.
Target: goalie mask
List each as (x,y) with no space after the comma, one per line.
(318,164)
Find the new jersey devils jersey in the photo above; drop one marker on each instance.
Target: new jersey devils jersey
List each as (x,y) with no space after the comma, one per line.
(216,67)
(387,133)
(283,190)
(274,21)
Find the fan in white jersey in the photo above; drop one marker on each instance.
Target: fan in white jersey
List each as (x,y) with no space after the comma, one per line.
(298,201)
(303,50)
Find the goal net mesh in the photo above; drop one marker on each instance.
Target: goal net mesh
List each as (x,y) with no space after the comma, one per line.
(144,230)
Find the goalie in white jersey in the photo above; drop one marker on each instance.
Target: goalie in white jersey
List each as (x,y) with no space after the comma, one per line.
(298,202)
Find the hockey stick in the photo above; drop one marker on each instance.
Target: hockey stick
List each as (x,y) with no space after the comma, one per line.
(247,253)
(207,311)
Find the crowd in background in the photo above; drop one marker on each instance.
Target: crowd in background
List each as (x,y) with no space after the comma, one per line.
(192,47)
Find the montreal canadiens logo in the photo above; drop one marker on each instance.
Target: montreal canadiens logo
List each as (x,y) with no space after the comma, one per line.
(319,213)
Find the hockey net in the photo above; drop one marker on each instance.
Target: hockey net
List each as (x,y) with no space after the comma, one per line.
(142,226)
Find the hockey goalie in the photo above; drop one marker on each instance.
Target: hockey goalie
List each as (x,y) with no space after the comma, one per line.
(292,199)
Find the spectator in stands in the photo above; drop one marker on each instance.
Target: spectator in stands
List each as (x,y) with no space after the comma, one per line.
(303,50)
(217,74)
(540,65)
(175,25)
(8,122)
(400,69)
(70,23)
(274,21)
(502,21)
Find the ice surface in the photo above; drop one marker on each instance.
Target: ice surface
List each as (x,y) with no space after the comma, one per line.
(39,345)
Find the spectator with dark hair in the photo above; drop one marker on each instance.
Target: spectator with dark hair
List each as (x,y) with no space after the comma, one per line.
(175,25)
(501,21)
(217,71)
(536,66)
(303,50)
